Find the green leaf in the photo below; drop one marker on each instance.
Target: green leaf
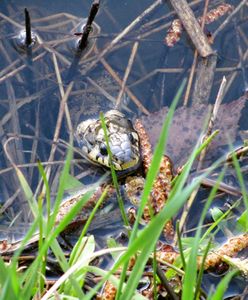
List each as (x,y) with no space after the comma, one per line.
(28,192)
(242,221)
(72,183)
(85,248)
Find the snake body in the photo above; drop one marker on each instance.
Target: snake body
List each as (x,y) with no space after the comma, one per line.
(123,141)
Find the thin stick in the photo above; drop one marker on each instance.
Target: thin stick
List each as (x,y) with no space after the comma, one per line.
(17,150)
(227,20)
(9,201)
(43,163)
(127,90)
(62,93)
(28,40)
(61,112)
(190,81)
(56,16)
(18,69)
(166,284)
(222,187)
(26,100)
(58,126)
(192,27)
(5,53)
(35,141)
(101,90)
(128,69)
(87,28)
(212,119)
(11,21)
(233,76)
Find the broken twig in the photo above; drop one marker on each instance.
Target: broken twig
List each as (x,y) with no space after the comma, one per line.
(192,27)
(88,26)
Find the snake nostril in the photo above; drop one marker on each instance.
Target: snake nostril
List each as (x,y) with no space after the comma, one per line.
(103,150)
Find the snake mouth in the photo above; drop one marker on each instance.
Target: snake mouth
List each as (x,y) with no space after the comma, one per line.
(129,164)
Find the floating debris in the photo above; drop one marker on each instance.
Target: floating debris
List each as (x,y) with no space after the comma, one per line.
(188,124)
(175,31)
(26,39)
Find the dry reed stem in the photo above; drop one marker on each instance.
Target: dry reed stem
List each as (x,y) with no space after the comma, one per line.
(11,21)
(8,59)
(101,90)
(62,93)
(227,20)
(233,76)
(222,187)
(13,179)
(127,90)
(212,119)
(54,17)
(8,202)
(14,120)
(175,70)
(192,72)
(43,163)
(57,128)
(18,69)
(35,140)
(127,72)
(192,27)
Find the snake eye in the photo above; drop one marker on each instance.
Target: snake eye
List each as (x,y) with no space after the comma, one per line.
(103,150)
(131,138)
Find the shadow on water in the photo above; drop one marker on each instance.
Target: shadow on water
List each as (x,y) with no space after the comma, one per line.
(33,84)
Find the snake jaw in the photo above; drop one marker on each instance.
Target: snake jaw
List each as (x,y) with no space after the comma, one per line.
(123,141)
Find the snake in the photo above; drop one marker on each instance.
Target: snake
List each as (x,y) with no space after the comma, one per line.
(129,145)
(123,141)
(124,145)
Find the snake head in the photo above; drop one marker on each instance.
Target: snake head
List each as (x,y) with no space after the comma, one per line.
(123,141)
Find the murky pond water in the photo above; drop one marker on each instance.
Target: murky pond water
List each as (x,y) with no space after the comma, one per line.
(32,86)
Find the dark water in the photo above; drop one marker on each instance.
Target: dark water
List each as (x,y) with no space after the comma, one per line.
(30,98)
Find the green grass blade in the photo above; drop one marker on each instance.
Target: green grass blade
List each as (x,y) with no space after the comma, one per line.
(244,217)
(113,173)
(201,270)
(222,286)
(85,247)
(190,278)
(180,246)
(48,193)
(75,252)
(61,189)
(28,193)
(8,282)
